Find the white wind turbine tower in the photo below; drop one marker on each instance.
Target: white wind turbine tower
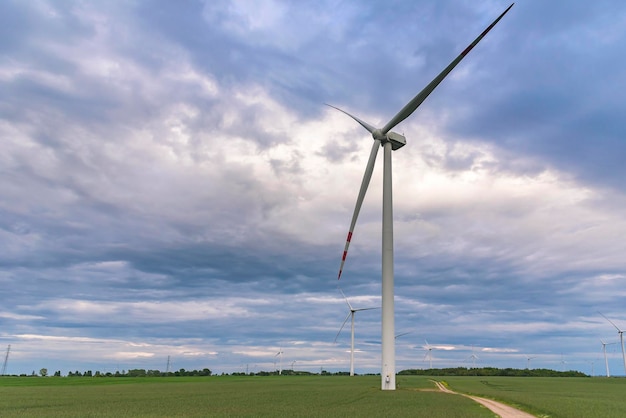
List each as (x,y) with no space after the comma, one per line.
(621,339)
(528,359)
(392,141)
(280,360)
(606,361)
(350,314)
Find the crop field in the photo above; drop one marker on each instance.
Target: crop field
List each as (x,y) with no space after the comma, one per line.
(302,396)
(550,396)
(224,396)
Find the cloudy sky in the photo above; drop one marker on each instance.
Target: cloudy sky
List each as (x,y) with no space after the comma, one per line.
(172,183)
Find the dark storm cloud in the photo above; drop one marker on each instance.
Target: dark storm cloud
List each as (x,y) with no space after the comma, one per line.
(556,90)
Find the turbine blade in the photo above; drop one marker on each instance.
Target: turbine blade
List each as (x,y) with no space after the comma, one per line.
(365,309)
(344,296)
(618,330)
(364,124)
(422,95)
(342,325)
(359,201)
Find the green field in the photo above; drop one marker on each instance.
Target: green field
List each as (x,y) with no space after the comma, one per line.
(302,396)
(550,396)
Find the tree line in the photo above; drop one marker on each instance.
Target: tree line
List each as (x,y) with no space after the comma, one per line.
(455,371)
(492,371)
(130,373)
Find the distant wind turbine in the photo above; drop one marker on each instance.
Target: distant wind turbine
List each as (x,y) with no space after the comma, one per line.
(528,359)
(621,339)
(606,361)
(280,360)
(429,354)
(6,361)
(474,357)
(350,315)
(390,140)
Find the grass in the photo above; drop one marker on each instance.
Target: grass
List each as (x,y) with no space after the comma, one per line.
(228,396)
(552,397)
(304,396)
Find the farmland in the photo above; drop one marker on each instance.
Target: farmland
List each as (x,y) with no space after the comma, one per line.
(311,396)
(550,396)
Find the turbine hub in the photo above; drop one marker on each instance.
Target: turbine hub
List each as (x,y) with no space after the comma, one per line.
(377,134)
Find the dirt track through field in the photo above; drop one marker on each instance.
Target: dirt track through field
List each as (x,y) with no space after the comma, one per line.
(504,411)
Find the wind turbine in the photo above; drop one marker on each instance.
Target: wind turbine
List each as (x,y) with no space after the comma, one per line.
(350,314)
(606,361)
(474,357)
(390,140)
(621,339)
(280,360)
(429,354)
(592,362)
(528,359)
(6,360)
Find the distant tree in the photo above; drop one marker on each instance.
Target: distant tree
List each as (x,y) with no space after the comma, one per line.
(57,373)
(136,372)
(43,372)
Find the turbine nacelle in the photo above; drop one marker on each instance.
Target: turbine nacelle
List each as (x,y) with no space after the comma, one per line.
(397,141)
